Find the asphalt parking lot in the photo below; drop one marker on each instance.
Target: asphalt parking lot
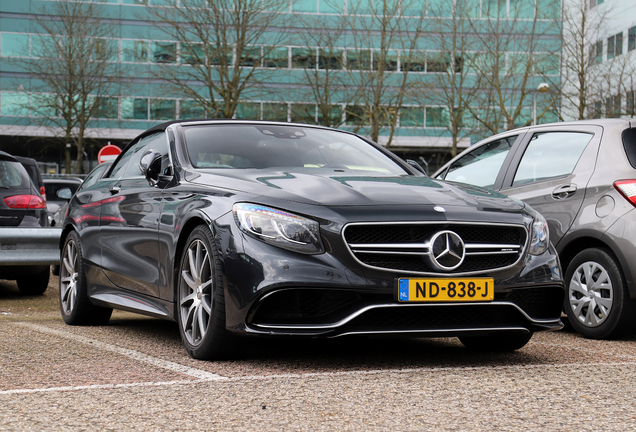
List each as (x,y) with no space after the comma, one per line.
(134,374)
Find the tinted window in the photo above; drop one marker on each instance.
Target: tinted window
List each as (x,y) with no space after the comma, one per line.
(95,175)
(481,166)
(549,155)
(120,166)
(156,141)
(12,175)
(629,143)
(267,146)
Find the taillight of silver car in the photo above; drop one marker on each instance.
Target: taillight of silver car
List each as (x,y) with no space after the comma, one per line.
(627,188)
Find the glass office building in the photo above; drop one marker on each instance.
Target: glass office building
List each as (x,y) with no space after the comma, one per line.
(139,48)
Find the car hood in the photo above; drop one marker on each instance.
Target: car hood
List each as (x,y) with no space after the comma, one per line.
(351,190)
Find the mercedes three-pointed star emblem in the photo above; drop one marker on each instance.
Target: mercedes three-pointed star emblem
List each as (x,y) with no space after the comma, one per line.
(447,251)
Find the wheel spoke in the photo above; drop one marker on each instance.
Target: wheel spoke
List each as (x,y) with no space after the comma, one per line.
(201,321)
(189,280)
(189,298)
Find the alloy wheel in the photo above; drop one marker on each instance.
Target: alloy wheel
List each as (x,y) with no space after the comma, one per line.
(68,277)
(195,298)
(590,294)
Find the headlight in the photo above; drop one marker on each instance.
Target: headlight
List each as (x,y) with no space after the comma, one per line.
(540,239)
(279,228)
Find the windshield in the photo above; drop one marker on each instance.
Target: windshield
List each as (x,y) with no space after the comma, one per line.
(12,175)
(274,146)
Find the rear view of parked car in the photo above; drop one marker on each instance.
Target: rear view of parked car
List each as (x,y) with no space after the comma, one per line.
(582,177)
(21,206)
(53,202)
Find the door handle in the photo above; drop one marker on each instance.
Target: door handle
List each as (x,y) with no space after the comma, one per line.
(564,191)
(115,190)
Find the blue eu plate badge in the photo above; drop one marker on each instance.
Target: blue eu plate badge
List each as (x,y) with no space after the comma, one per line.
(404,290)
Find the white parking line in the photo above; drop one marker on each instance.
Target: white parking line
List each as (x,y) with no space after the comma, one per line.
(204,376)
(135,355)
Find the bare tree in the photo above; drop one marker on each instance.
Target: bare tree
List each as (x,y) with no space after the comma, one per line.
(75,67)
(516,52)
(595,71)
(322,60)
(448,83)
(223,44)
(383,46)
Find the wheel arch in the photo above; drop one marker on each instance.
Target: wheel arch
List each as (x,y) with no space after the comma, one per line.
(188,227)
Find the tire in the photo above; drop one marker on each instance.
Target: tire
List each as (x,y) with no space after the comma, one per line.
(497,342)
(603,310)
(36,284)
(75,306)
(200,298)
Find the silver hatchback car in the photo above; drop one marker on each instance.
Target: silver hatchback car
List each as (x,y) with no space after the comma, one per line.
(582,177)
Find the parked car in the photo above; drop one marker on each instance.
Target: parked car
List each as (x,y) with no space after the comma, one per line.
(582,177)
(51,186)
(276,229)
(64,195)
(31,167)
(21,206)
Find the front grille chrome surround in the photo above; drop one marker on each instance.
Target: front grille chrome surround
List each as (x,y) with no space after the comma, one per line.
(406,247)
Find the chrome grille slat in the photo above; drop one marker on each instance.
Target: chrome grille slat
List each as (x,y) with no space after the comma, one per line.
(399,243)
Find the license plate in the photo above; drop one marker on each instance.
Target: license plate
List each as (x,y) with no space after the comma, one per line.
(446,290)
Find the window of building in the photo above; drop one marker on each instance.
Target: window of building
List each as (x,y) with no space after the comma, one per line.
(303,58)
(523,8)
(330,59)
(305,5)
(390,60)
(192,53)
(134,108)
(437,117)
(330,6)
(134,51)
(356,115)
(106,107)
(437,62)
(631,39)
(191,109)
(303,113)
(613,106)
(14,45)
(330,116)
(274,57)
(358,59)
(495,8)
(594,3)
(599,51)
(14,104)
(44,46)
(615,45)
(414,8)
(250,56)
(548,9)
(248,111)
(412,61)
(441,8)
(412,117)
(630,105)
(275,111)
(134,2)
(360,7)
(163,109)
(45,105)
(547,64)
(106,50)
(163,52)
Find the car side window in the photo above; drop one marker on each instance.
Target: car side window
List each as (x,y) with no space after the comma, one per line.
(120,167)
(481,166)
(156,141)
(95,175)
(550,155)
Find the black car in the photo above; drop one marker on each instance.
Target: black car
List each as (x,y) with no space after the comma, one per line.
(275,229)
(51,186)
(21,206)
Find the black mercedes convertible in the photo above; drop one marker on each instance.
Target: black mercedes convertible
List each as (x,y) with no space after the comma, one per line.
(239,228)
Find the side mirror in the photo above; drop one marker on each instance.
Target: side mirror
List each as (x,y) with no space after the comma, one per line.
(65,194)
(150,165)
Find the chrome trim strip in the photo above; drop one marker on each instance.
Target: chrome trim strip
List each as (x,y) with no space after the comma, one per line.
(519,329)
(392,305)
(427,246)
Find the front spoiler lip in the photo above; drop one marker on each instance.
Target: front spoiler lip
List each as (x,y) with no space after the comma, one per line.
(342,322)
